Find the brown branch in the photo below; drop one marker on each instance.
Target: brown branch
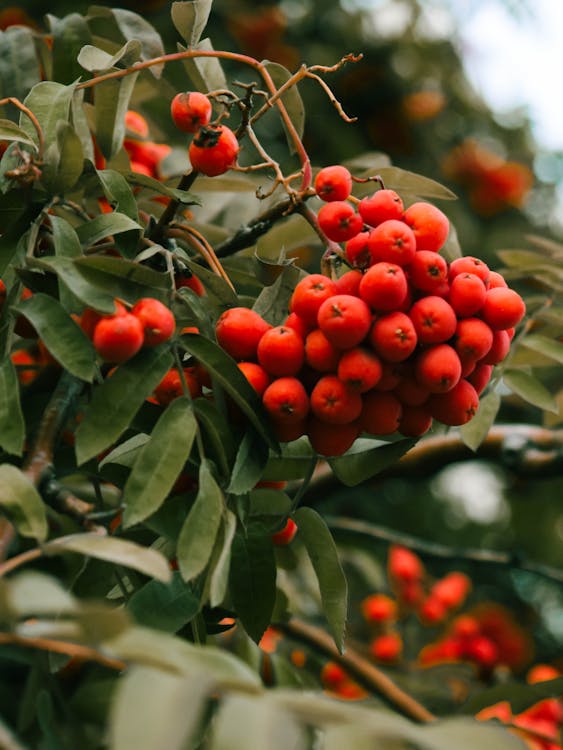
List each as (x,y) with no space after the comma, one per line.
(34,121)
(365,673)
(74,650)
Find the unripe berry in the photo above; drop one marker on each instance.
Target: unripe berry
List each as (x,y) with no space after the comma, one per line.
(190,111)
(333,183)
(213,150)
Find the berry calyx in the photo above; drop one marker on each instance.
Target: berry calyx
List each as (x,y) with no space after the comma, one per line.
(213,150)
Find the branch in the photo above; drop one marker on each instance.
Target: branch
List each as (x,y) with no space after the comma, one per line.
(365,673)
(74,650)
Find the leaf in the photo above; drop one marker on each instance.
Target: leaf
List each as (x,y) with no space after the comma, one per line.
(252,582)
(22,502)
(19,64)
(165,606)
(146,560)
(67,245)
(190,19)
(80,124)
(155,709)
(32,593)
(9,131)
(159,462)
(118,193)
(122,278)
(200,528)
(219,578)
(550,348)
(183,196)
(224,370)
(96,60)
(117,400)
(273,301)
(70,34)
(530,389)
(66,341)
(367,458)
(292,463)
(89,294)
(474,432)
(12,425)
(103,226)
(206,73)
(135,27)
(404,181)
(520,696)
(111,102)
(252,457)
(50,103)
(217,435)
(291,100)
(323,554)
(126,452)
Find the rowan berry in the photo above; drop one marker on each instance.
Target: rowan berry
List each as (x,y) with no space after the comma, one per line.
(392,242)
(287,431)
(286,400)
(27,366)
(171,386)
(384,287)
(386,647)
(333,183)
(117,338)
(496,279)
(357,250)
(285,536)
(428,271)
(190,110)
(298,324)
(320,353)
(434,319)
(499,348)
(256,376)
(469,264)
(379,608)
(467,294)
(465,627)
(403,565)
(390,376)
(333,402)
(239,330)
(339,221)
(432,611)
(393,336)
(332,675)
(136,124)
(452,589)
(382,205)
(281,351)
(345,320)
(430,225)
(360,369)
(308,296)
(480,377)
(473,339)
(456,407)
(157,320)
(503,308)
(438,368)
(483,651)
(189,280)
(381,412)
(331,439)
(415,421)
(410,392)
(213,150)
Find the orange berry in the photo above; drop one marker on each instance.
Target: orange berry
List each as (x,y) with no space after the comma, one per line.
(345,320)
(430,225)
(238,332)
(117,338)
(378,608)
(213,150)
(286,400)
(333,183)
(285,536)
(190,110)
(387,647)
(333,402)
(331,439)
(308,296)
(157,320)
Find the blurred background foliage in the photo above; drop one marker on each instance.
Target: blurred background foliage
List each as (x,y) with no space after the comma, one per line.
(414,105)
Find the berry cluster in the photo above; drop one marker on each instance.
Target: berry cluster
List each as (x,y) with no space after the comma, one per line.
(214,148)
(119,336)
(397,341)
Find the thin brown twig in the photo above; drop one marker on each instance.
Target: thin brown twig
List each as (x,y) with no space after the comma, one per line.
(200,243)
(365,673)
(74,650)
(32,117)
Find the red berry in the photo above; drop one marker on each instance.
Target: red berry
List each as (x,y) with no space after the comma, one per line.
(393,242)
(360,369)
(281,351)
(387,647)
(404,566)
(286,400)
(190,110)
(238,332)
(357,251)
(384,287)
(473,339)
(308,296)
(285,536)
(381,206)
(157,320)
(393,336)
(331,439)
(118,338)
(333,183)
(333,402)
(345,320)
(320,353)
(380,413)
(503,308)
(438,368)
(499,348)
(379,608)
(456,407)
(339,221)
(428,271)
(467,294)
(415,421)
(434,319)
(429,224)
(256,376)
(469,264)
(349,283)
(480,377)
(213,150)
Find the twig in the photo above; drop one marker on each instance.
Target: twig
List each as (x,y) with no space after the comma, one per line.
(34,121)
(170,211)
(198,241)
(74,650)
(365,673)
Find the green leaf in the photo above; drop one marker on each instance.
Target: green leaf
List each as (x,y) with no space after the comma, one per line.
(124,279)
(291,99)
(215,286)
(19,64)
(90,294)
(103,226)
(323,554)
(143,180)
(520,696)
(62,175)
(96,60)
(404,181)
(367,458)
(224,370)
(530,389)
(118,399)
(50,103)
(165,606)
(205,73)
(117,191)
(154,709)
(252,582)
(251,459)
(67,245)
(12,425)
(70,34)
(474,432)
(217,435)
(146,560)
(80,123)
(126,452)
(550,348)
(66,341)
(9,131)
(200,528)
(190,18)
(32,593)
(22,502)
(219,577)
(159,462)
(111,102)
(292,463)
(133,26)
(273,301)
